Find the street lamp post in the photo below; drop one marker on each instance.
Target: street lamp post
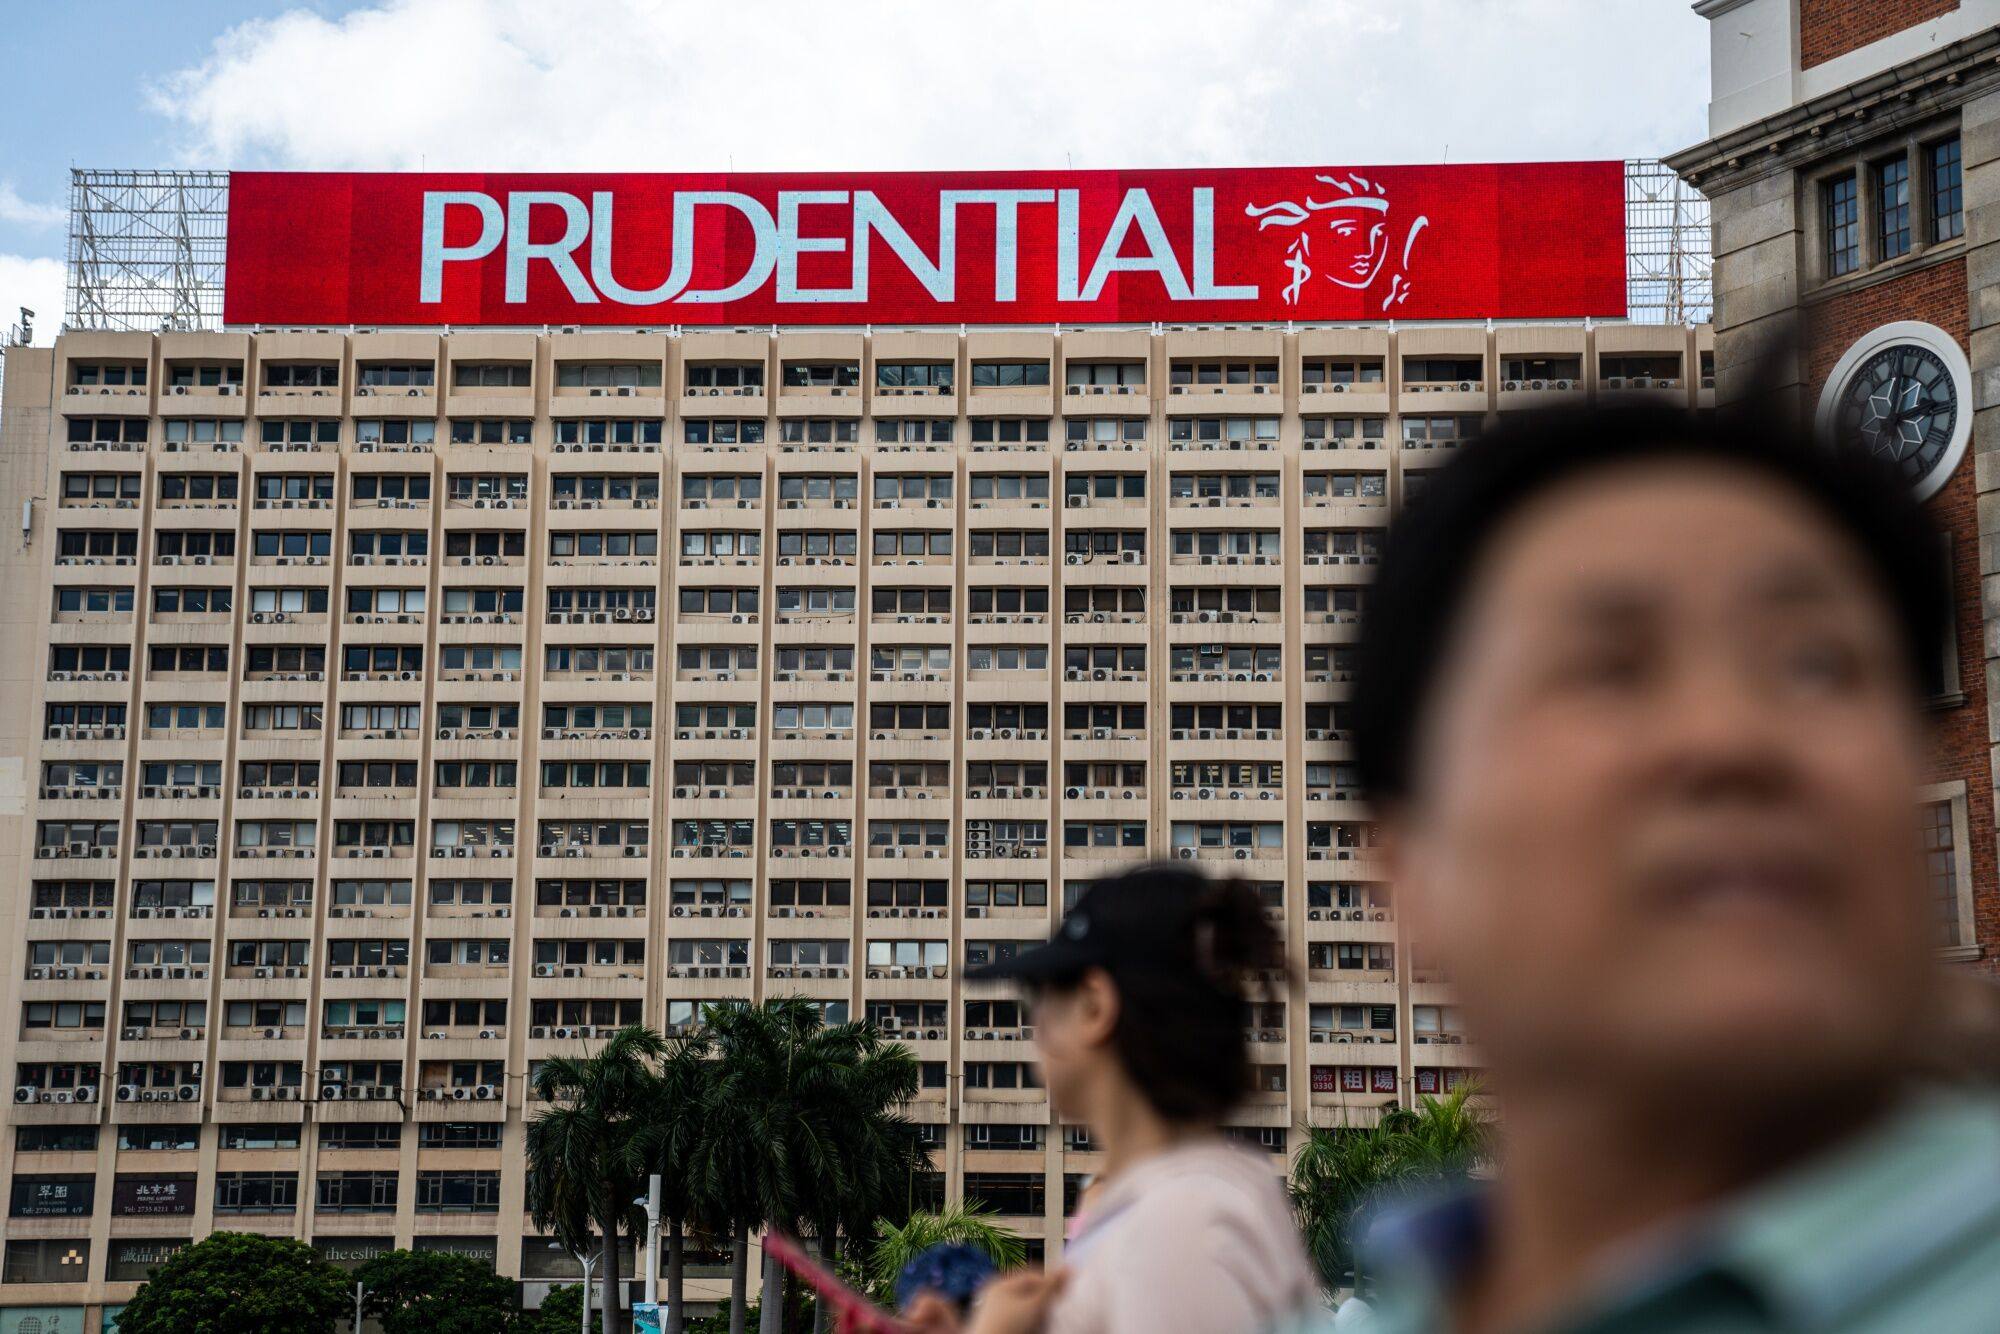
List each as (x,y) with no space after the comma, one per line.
(652,1203)
(586,1259)
(360,1292)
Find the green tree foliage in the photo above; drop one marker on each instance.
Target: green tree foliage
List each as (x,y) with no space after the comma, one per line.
(437,1292)
(1340,1171)
(819,1146)
(719,1323)
(674,1120)
(560,1312)
(581,1156)
(239,1283)
(959,1224)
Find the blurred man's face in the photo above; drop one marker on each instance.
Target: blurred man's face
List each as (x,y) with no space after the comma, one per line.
(1663,831)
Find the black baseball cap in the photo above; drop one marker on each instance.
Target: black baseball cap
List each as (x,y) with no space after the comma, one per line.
(1137,921)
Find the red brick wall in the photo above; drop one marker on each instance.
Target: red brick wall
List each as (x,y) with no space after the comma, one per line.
(1937,295)
(1829,28)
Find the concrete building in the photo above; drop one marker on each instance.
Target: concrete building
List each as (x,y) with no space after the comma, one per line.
(1854,176)
(391,710)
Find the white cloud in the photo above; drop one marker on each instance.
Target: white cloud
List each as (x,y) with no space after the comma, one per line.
(36,283)
(27,213)
(892,84)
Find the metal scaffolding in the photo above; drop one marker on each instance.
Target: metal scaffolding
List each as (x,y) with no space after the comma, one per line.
(1669,269)
(146,249)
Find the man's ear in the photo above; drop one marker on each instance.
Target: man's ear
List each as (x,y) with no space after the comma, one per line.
(1095,1005)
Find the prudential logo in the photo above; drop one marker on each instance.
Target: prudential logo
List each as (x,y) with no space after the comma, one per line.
(1344,230)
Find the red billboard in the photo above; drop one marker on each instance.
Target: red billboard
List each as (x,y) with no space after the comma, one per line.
(1262,244)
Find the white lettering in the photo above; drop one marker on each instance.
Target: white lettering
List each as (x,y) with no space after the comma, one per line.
(1006,228)
(940,279)
(1204,254)
(1135,210)
(600,260)
(520,250)
(436,254)
(1069,238)
(791,245)
(776,246)
(763,254)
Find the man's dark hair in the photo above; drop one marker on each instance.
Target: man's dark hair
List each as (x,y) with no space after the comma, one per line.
(1435,547)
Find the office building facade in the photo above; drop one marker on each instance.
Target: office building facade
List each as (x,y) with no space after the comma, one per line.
(392,709)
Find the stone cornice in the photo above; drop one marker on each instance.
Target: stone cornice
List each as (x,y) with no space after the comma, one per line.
(1863,111)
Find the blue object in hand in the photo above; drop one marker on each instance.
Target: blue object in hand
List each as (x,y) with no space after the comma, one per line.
(954,1270)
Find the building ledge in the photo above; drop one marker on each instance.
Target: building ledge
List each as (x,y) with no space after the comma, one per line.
(1820,126)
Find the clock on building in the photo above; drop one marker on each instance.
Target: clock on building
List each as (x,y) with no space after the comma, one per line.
(1903,394)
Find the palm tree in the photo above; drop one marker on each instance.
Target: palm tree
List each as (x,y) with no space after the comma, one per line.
(1339,1172)
(581,1164)
(673,1124)
(958,1224)
(1336,1171)
(813,1143)
(734,1165)
(880,1151)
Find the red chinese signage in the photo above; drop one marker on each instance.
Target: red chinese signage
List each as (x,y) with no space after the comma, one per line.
(1262,244)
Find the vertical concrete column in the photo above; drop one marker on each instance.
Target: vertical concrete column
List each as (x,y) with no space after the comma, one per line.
(1980,140)
(1758,235)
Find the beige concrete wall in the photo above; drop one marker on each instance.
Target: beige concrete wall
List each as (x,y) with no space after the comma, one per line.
(1299,511)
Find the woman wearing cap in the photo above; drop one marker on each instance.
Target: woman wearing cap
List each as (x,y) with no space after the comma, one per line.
(1138,1007)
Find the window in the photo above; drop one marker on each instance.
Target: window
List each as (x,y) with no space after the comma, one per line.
(362,1134)
(458,1192)
(1018,1193)
(55,1139)
(1947,190)
(1105,374)
(608,375)
(357,1192)
(821,375)
(1009,431)
(491,431)
(1892,207)
(398,374)
(723,375)
(1947,865)
(914,375)
(1009,373)
(203,431)
(490,375)
(722,431)
(301,433)
(302,375)
(1843,226)
(912,431)
(819,431)
(256,1192)
(46,1260)
(598,433)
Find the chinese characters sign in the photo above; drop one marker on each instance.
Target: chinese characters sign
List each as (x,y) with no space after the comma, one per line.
(1263,244)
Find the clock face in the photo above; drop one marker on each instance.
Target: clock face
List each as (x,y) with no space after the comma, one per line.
(1901,405)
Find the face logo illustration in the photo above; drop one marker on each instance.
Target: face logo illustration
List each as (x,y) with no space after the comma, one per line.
(1358,241)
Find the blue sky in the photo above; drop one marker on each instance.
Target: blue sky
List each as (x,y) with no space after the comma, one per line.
(73,92)
(789,84)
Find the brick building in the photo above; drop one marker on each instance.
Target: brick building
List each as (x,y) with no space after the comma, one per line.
(1854,174)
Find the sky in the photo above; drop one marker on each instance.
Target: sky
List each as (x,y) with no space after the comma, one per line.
(405,85)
